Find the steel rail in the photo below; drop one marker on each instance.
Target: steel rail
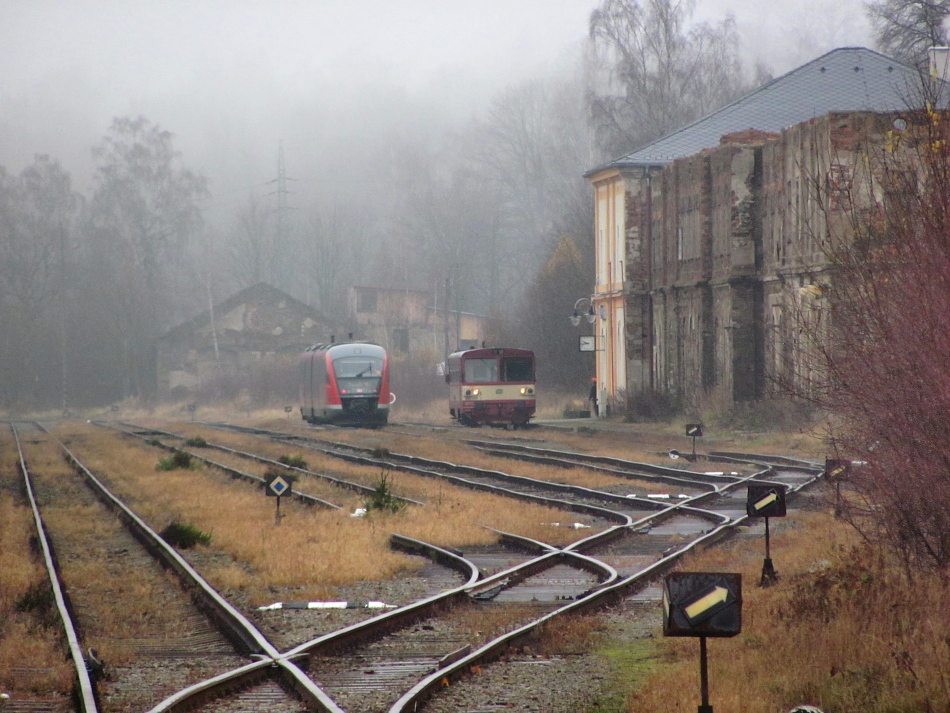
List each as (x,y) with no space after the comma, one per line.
(438,554)
(234,472)
(607,464)
(86,688)
(610,515)
(597,599)
(346,484)
(232,622)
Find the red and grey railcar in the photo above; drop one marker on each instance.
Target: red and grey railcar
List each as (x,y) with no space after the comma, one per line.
(346,384)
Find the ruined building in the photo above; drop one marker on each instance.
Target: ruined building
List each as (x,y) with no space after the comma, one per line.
(709,241)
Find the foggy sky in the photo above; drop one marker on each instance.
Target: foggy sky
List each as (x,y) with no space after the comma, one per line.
(232,78)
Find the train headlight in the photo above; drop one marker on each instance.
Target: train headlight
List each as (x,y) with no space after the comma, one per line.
(476,392)
(527,391)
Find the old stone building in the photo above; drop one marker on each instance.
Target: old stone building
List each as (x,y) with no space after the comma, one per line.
(409,323)
(709,239)
(257,326)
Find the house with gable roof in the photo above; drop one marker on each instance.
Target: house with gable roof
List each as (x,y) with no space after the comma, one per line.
(258,327)
(704,236)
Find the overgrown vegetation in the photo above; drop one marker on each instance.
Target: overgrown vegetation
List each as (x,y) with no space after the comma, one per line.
(294,461)
(39,602)
(287,475)
(851,632)
(878,332)
(196,442)
(179,460)
(649,406)
(383,497)
(185,536)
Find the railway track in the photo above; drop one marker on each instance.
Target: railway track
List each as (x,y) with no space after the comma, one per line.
(405,657)
(173,633)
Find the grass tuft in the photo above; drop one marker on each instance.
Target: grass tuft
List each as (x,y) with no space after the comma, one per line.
(383,497)
(196,442)
(38,601)
(185,536)
(179,460)
(294,461)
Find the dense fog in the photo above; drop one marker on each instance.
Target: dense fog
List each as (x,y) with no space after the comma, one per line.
(320,145)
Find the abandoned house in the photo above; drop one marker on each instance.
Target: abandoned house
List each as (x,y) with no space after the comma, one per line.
(260,325)
(410,323)
(705,238)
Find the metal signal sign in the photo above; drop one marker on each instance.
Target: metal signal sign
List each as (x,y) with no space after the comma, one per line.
(694,429)
(837,469)
(766,501)
(702,604)
(277,485)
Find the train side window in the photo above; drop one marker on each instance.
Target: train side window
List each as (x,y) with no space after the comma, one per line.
(517,369)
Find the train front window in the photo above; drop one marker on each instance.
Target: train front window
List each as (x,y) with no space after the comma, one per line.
(481,371)
(358,374)
(517,369)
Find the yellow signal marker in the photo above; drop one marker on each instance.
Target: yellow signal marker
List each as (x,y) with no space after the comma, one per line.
(717,596)
(766,501)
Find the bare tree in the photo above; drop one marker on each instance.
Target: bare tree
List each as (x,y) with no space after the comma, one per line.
(546,328)
(906,29)
(878,327)
(39,215)
(146,210)
(334,238)
(658,73)
(253,245)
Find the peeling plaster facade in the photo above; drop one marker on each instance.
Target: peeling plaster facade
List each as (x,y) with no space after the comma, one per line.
(708,239)
(717,248)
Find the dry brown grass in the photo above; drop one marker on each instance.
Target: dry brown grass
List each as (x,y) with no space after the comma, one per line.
(455,450)
(28,637)
(488,622)
(841,630)
(312,549)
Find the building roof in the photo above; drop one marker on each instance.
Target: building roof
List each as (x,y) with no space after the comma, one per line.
(843,80)
(260,292)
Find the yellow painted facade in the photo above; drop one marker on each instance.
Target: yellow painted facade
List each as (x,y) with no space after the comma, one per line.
(608,296)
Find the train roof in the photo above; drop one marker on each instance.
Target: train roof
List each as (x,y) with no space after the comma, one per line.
(486,352)
(334,345)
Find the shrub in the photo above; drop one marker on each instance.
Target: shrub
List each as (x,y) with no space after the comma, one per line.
(196,442)
(178,460)
(648,405)
(383,498)
(184,536)
(294,461)
(38,600)
(286,475)
(766,415)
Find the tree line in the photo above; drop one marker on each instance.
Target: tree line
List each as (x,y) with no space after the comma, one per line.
(492,215)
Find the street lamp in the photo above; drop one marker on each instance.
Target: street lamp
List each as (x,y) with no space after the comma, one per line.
(591,315)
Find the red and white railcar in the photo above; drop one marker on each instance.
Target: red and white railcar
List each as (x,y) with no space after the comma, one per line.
(345,384)
(492,386)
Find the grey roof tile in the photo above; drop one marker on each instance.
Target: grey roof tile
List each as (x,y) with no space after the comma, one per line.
(845,79)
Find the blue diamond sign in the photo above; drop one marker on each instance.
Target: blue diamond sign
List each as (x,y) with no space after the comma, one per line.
(277,485)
